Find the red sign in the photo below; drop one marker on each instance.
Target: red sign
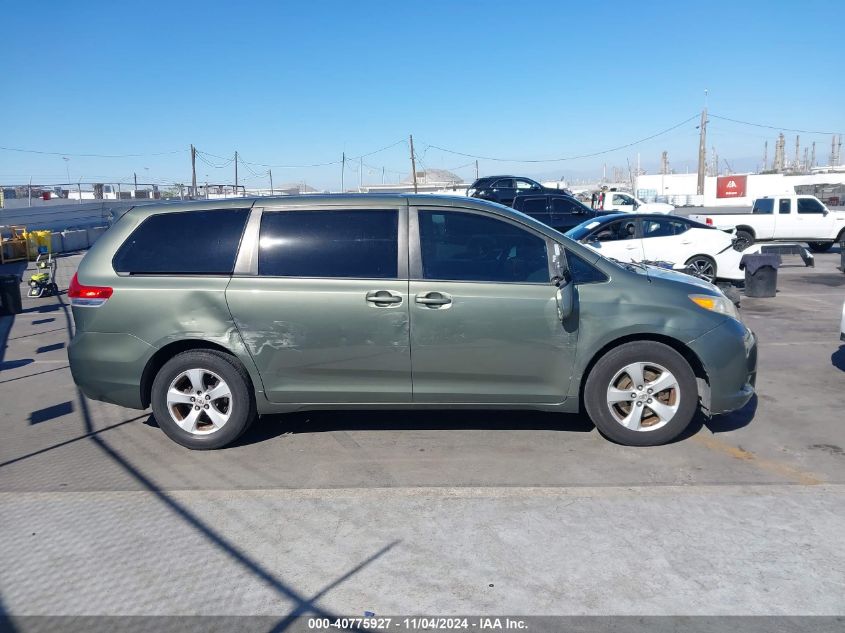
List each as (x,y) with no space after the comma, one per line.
(730,186)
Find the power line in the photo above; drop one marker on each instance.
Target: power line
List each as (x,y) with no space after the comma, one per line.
(35,151)
(334,162)
(770,127)
(557,160)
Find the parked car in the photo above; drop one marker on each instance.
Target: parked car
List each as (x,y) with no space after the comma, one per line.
(627,203)
(557,210)
(215,311)
(702,250)
(784,218)
(503,189)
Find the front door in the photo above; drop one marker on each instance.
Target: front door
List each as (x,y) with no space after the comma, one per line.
(324,312)
(618,240)
(484,315)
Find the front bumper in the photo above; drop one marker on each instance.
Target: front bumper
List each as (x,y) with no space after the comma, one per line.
(729,355)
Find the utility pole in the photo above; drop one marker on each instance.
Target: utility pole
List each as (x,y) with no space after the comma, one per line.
(797,153)
(136,180)
(476,170)
(342,171)
(702,152)
(813,156)
(382,174)
(806,166)
(413,163)
(270,172)
(236,172)
(193,171)
(765,155)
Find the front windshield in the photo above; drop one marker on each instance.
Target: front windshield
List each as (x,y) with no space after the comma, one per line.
(581,231)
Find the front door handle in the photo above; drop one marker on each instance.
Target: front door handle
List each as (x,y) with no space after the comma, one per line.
(383,298)
(434,299)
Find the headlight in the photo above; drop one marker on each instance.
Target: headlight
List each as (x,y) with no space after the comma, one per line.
(714,303)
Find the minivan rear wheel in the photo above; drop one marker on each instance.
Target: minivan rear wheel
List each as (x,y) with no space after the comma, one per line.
(202,399)
(641,393)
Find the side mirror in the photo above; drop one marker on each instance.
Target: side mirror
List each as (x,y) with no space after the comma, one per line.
(565,297)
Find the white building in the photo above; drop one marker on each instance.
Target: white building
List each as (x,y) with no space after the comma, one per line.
(740,189)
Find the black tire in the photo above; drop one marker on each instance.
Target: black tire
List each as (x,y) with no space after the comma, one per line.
(609,365)
(820,247)
(744,239)
(242,402)
(699,264)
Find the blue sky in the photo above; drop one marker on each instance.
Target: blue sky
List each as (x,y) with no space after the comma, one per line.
(293,83)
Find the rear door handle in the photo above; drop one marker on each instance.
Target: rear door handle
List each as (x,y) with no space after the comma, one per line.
(383,298)
(433,299)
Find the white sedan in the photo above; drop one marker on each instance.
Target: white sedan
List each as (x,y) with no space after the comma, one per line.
(686,245)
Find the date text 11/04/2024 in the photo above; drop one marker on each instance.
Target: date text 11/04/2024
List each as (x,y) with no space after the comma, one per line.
(416,623)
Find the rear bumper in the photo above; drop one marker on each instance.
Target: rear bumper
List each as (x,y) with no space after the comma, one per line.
(729,356)
(108,366)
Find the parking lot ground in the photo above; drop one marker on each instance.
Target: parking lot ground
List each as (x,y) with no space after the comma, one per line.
(437,512)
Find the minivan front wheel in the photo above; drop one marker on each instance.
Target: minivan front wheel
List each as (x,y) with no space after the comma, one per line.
(641,393)
(202,399)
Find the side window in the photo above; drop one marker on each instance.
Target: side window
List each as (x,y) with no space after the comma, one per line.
(582,271)
(808,205)
(622,199)
(457,246)
(764,206)
(564,206)
(619,230)
(503,183)
(524,184)
(785,205)
(359,244)
(184,243)
(534,205)
(663,227)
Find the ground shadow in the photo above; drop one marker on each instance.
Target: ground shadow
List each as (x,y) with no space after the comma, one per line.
(302,604)
(271,426)
(838,358)
(14,364)
(734,420)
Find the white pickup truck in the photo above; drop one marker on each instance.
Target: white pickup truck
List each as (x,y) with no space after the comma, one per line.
(783,218)
(626,203)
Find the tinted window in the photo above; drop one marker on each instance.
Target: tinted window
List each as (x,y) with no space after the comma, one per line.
(504,183)
(785,205)
(186,243)
(468,247)
(582,271)
(356,244)
(566,206)
(808,205)
(619,230)
(533,205)
(663,227)
(764,206)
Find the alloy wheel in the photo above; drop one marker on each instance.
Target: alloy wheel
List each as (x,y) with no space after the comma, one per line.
(643,396)
(199,401)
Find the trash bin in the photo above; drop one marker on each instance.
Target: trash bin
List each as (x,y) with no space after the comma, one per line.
(842,256)
(761,274)
(10,294)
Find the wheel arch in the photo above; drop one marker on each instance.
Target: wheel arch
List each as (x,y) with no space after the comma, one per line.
(166,352)
(685,351)
(747,229)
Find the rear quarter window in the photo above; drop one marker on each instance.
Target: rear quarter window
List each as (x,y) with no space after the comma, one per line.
(183,243)
(764,206)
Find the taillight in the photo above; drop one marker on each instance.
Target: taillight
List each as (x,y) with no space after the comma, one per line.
(708,221)
(88,296)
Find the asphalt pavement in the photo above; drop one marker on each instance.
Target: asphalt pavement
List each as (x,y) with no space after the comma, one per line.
(438,512)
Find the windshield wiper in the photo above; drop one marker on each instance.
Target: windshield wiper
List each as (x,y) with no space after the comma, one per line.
(629,265)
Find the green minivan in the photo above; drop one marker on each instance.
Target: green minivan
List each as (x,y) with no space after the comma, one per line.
(215,312)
